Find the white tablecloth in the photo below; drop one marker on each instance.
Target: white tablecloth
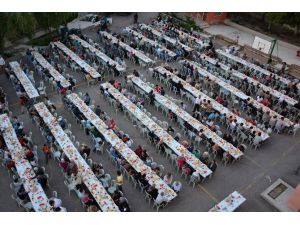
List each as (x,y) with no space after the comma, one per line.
(138,54)
(168,39)
(177,148)
(122,148)
(233,151)
(242,76)
(35,191)
(97,52)
(151,42)
(238,93)
(252,66)
(186,35)
(229,204)
(216,106)
(99,193)
(24,80)
(90,70)
(53,72)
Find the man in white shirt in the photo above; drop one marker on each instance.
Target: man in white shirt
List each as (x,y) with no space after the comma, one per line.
(257,139)
(55,202)
(266,116)
(259,99)
(296,126)
(280,125)
(177,186)
(197,104)
(161,198)
(210,123)
(273,121)
(232,125)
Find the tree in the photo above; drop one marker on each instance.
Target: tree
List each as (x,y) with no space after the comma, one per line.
(289,18)
(16,25)
(53,19)
(293,19)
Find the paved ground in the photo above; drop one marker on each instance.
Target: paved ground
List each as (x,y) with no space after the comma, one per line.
(286,53)
(278,158)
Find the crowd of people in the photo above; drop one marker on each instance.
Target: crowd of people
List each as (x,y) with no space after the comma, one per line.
(257,117)
(202,110)
(30,154)
(140,151)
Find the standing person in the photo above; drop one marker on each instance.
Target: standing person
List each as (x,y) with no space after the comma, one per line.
(98,110)
(168,178)
(2,64)
(47,152)
(151,97)
(120,180)
(23,102)
(135,18)
(87,99)
(197,104)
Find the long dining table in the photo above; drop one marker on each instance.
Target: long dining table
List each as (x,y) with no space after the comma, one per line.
(35,191)
(103,199)
(166,138)
(165,37)
(127,153)
(80,62)
(141,56)
(252,66)
(242,76)
(98,53)
(236,92)
(149,41)
(185,116)
(52,71)
(186,35)
(230,203)
(24,80)
(194,92)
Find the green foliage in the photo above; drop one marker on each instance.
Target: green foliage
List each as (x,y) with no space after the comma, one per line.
(16,25)
(44,40)
(190,23)
(54,19)
(290,18)
(187,24)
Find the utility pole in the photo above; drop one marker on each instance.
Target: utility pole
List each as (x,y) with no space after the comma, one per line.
(273,44)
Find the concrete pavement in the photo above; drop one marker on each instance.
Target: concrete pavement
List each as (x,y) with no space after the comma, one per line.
(286,52)
(278,158)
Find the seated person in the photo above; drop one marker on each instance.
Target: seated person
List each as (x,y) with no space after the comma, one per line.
(152,191)
(161,198)
(177,186)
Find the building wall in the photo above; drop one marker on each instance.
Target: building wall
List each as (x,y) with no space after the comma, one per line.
(210,17)
(215,17)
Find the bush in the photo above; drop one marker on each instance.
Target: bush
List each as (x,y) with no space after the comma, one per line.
(187,24)
(44,40)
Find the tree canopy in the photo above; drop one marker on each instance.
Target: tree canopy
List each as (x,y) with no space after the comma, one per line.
(14,25)
(290,18)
